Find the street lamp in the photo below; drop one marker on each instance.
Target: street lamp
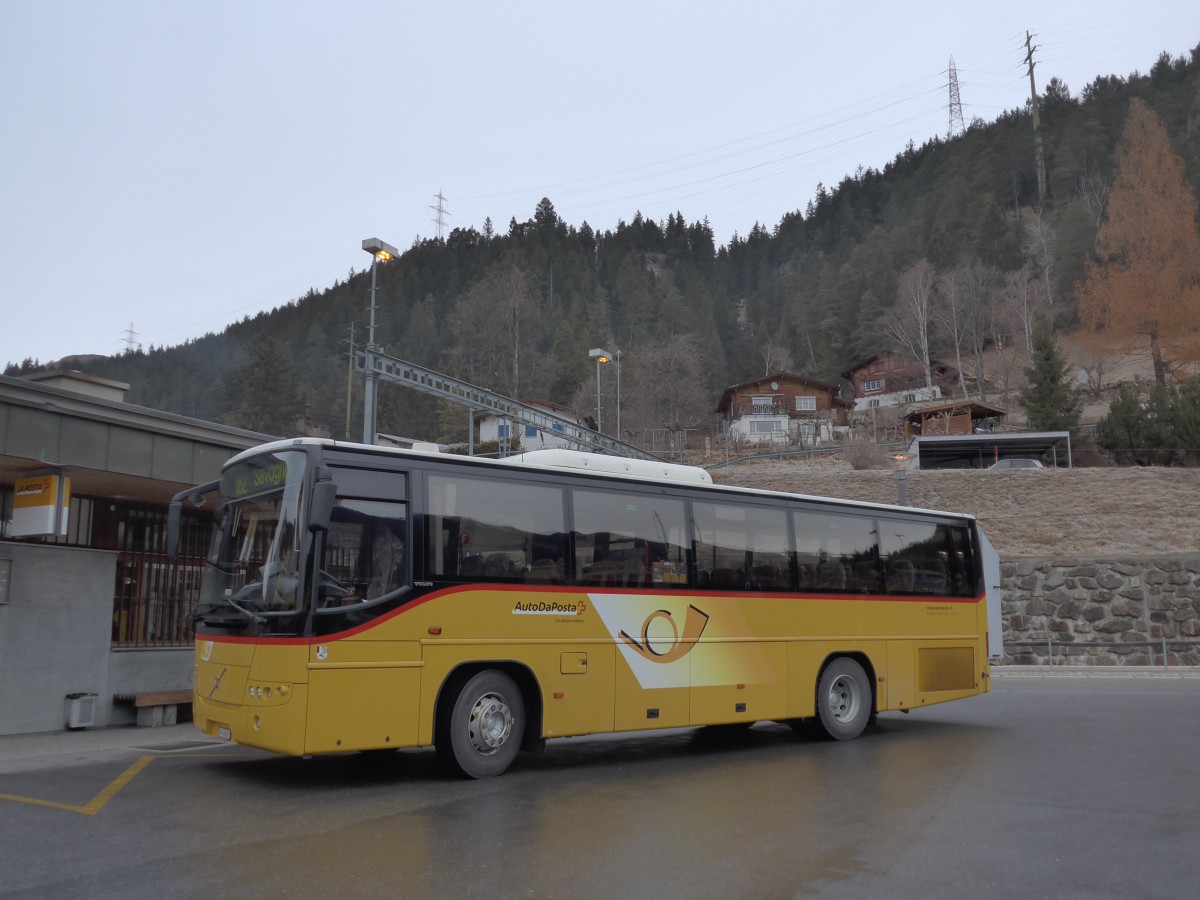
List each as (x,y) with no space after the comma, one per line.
(601,356)
(618,357)
(380,252)
(901,477)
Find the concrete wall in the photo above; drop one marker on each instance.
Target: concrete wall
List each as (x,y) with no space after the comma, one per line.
(130,671)
(56,639)
(55,634)
(1102,612)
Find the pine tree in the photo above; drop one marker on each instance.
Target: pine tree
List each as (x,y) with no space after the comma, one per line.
(265,394)
(1143,286)
(1051,400)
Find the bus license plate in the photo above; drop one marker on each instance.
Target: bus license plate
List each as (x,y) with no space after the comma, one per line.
(224,733)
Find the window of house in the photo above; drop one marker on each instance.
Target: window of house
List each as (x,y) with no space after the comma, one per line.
(761,405)
(531,431)
(558,428)
(910,398)
(501,431)
(872,404)
(873,385)
(766,427)
(806,403)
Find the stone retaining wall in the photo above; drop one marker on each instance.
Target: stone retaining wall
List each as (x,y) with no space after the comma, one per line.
(1105,611)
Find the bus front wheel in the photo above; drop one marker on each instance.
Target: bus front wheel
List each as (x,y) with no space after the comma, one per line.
(479,732)
(844,704)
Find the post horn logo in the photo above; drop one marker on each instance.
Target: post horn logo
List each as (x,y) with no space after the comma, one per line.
(693,626)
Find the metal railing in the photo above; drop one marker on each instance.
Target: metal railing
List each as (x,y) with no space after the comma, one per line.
(1159,645)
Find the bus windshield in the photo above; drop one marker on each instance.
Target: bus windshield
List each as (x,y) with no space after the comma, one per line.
(254,559)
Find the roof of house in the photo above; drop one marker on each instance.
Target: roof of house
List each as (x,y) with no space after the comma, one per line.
(558,409)
(936,364)
(978,408)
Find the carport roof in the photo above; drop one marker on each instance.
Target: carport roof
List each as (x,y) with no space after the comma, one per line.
(954,451)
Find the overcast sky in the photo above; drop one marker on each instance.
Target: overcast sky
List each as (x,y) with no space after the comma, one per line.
(171,167)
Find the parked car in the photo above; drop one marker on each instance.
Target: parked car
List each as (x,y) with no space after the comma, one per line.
(1015,463)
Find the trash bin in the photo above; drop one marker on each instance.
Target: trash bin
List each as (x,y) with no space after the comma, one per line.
(81,710)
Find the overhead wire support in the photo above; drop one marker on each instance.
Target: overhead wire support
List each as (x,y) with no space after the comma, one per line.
(350,357)
(1039,152)
(131,343)
(956,113)
(410,375)
(439,221)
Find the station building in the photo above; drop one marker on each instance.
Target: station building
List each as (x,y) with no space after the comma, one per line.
(90,605)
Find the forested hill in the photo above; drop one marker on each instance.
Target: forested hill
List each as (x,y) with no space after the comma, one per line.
(517,307)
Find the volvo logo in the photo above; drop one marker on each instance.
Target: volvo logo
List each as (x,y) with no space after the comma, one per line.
(217,681)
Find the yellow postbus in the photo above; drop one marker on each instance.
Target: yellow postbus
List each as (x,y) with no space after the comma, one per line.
(360,598)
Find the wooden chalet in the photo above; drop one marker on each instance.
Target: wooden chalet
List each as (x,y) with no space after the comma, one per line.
(784,407)
(891,378)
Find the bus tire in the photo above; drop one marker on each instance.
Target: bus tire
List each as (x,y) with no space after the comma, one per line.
(844,701)
(479,732)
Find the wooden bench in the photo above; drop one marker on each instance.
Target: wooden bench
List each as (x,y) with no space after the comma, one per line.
(156,707)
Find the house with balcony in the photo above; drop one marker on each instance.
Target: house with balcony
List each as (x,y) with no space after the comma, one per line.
(892,379)
(784,408)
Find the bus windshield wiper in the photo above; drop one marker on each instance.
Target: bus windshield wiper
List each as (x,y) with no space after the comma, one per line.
(246,612)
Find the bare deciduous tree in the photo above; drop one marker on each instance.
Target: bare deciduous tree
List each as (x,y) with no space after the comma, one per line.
(496,326)
(1092,191)
(1041,249)
(979,290)
(666,388)
(1024,301)
(950,314)
(775,358)
(907,324)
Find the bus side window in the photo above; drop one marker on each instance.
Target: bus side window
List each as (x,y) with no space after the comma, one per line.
(483,529)
(920,557)
(836,552)
(629,539)
(961,562)
(742,547)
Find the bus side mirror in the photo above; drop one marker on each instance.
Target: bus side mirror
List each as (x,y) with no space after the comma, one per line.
(175,512)
(324,493)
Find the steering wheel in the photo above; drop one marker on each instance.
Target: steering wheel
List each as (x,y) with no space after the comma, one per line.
(330,589)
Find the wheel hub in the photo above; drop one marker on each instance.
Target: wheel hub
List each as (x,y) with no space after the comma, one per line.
(490,724)
(843,699)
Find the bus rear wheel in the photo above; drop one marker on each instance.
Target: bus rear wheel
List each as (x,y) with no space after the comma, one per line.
(479,733)
(844,704)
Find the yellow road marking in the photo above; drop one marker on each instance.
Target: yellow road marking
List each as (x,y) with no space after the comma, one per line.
(97,803)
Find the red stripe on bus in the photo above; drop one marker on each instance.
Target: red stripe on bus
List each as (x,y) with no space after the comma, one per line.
(577,589)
